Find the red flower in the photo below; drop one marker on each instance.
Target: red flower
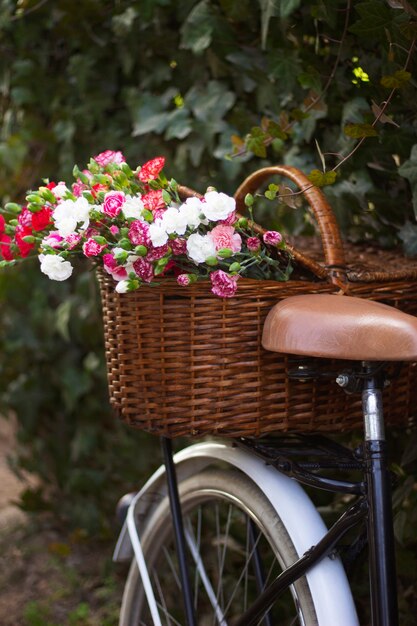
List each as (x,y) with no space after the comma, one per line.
(151,169)
(51,185)
(153,200)
(24,247)
(5,250)
(2,224)
(95,189)
(41,219)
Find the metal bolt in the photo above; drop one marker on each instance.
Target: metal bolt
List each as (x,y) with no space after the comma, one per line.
(342,380)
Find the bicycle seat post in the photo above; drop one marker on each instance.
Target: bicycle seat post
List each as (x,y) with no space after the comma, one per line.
(380,520)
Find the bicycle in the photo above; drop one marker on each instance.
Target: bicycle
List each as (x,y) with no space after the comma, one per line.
(248,531)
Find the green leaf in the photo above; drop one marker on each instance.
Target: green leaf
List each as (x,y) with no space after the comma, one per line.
(375,17)
(62,318)
(255,142)
(409,171)
(357,131)
(178,125)
(148,114)
(409,30)
(320,179)
(210,102)
(197,30)
(275,130)
(408,235)
(396,80)
(284,67)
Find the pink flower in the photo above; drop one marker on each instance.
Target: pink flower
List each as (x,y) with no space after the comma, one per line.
(230,219)
(113,202)
(114,229)
(178,246)
(222,284)
(110,265)
(183,280)
(151,169)
(144,270)
(25,218)
(73,240)
(78,188)
(225,237)
(272,237)
(109,156)
(53,239)
(253,244)
(157,253)
(92,248)
(139,233)
(158,214)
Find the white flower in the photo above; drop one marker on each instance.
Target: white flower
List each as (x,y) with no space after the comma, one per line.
(173,221)
(129,263)
(192,212)
(133,207)
(55,267)
(69,214)
(122,286)
(218,206)
(82,211)
(60,190)
(158,234)
(200,247)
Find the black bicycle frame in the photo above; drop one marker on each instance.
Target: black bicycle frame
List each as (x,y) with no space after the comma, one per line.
(373,503)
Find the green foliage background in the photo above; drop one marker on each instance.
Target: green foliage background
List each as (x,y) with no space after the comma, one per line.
(285,81)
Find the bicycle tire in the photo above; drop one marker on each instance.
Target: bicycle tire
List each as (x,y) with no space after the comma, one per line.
(211,490)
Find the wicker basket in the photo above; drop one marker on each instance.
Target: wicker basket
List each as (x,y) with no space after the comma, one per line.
(182,362)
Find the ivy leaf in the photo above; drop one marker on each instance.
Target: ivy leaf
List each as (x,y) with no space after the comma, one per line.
(409,30)
(396,80)
(148,115)
(408,235)
(178,124)
(255,142)
(284,68)
(409,171)
(320,179)
(375,17)
(358,131)
(198,28)
(276,131)
(211,102)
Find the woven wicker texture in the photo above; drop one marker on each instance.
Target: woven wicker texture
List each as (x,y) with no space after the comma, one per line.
(182,362)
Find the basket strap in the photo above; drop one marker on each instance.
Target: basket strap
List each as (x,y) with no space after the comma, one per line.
(334,256)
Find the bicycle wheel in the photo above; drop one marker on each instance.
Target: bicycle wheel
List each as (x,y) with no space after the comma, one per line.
(231,530)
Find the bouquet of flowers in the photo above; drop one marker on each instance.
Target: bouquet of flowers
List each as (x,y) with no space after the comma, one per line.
(135,224)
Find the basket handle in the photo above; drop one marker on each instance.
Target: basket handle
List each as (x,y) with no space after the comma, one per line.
(334,269)
(334,256)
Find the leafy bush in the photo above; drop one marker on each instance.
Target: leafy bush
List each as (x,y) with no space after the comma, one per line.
(301,83)
(53,376)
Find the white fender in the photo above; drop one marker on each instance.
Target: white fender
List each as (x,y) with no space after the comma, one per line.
(327,580)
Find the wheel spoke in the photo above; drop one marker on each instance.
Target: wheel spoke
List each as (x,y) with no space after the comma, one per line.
(205,579)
